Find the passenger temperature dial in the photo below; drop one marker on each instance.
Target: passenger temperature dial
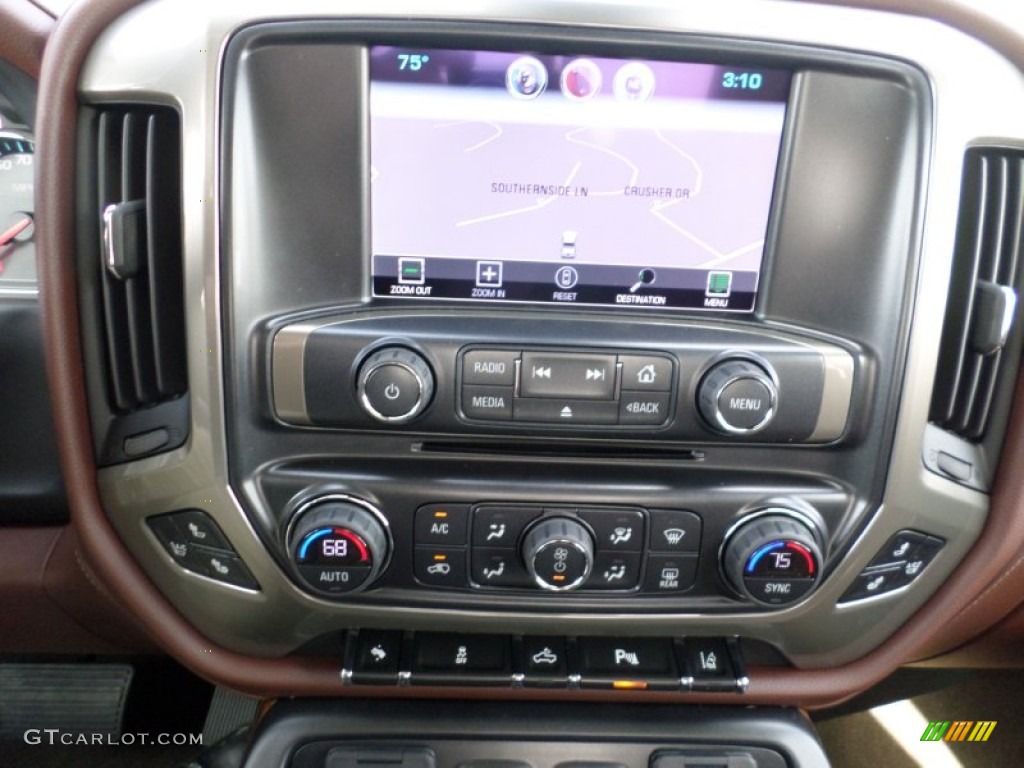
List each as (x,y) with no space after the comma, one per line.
(774,559)
(339,544)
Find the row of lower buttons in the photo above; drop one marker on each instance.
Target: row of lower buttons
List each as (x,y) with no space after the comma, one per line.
(377,657)
(896,565)
(195,543)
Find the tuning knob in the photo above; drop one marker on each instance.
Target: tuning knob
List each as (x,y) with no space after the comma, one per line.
(774,558)
(559,553)
(339,544)
(737,397)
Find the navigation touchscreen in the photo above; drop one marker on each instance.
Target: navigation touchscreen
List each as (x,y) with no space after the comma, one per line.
(571,180)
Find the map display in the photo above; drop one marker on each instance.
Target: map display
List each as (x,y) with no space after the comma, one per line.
(567,179)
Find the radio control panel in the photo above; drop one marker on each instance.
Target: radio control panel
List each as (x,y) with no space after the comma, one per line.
(684,383)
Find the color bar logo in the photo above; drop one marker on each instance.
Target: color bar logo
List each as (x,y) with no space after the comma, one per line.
(959,730)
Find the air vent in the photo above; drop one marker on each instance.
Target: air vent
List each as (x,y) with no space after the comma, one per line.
(139,205)
(982,292)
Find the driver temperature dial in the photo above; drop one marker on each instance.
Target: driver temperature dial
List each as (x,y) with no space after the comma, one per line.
(339,544)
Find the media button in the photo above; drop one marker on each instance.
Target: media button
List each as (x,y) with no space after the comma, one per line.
(487,403)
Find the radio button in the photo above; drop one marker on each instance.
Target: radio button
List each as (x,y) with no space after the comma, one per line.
(643,409)
(568,375)
(586,412)
(487,403)
(650,373)
(490,367)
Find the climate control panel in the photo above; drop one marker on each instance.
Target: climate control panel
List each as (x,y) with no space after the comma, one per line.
(339,545)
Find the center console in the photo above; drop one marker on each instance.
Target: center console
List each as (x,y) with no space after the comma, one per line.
(566,341)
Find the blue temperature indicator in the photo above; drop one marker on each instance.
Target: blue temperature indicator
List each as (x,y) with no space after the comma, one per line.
(412,61)
(742,81)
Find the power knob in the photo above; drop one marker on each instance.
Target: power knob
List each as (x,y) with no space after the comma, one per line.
(737,397)
(339,544)
(395,385)
(559,553)
(774,558)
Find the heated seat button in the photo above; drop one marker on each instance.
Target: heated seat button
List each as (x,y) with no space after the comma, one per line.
(198,528)
(490,367)
(457,659)
(898,549)
(170,536)
(571,375)
(220,566)
(442,524)
(675,530)
(627,663)
(874,582)
(377,657)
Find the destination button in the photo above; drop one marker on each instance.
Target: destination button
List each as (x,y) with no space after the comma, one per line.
(490,367)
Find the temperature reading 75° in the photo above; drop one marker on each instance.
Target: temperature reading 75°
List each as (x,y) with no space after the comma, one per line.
(412,61)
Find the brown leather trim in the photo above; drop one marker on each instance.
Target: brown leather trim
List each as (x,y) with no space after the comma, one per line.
(998,547)
(24,28)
